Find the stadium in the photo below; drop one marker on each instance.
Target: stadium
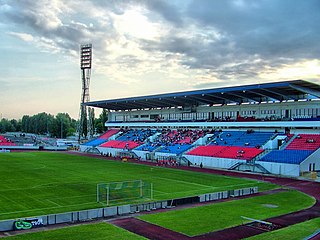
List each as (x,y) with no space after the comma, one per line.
(223,163)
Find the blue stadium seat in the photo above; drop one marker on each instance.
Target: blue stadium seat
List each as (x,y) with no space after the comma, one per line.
(136,135)
(95,142)
(148,147)
(241,138)
(287,156)
(176,148)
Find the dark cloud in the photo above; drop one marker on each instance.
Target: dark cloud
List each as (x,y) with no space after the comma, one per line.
(166,10)
(163,8)
(267,27)
(198,53)
(253,36)
(63,33)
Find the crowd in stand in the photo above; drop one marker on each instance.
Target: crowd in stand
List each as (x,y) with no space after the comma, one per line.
(138,136)
(243,145)
(182,136)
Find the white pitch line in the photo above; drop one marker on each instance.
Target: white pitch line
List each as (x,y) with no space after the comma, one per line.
(190,183)
(160,191)
(17,203)
(50,201)
(37,209)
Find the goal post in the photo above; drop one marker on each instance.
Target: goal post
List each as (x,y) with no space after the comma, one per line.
(124,192)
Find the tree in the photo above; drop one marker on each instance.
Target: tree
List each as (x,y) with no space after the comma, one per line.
(6,126)
(61,125)
(103,117)
(25,123)
(16,125)
(91,121)
(99,126)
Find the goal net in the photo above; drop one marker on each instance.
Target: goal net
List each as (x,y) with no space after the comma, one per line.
(124,192)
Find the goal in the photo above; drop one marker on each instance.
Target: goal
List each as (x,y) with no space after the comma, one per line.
(124,192)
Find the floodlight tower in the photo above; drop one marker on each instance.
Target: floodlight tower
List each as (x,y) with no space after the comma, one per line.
(85,127)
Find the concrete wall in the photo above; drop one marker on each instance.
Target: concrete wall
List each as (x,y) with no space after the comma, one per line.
(84,215)
(213,162)
(84,148)
(273,144)
(227,194)
(141,154)
(314,158)
(291,170)
(113,151)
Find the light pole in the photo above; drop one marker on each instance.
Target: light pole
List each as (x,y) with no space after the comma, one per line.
(85,65)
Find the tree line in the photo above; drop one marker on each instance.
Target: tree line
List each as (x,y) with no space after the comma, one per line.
(60,126)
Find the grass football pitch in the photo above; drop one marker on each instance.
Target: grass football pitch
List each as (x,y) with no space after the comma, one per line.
(295,232)
(214,217)
(37,183)
(98,231)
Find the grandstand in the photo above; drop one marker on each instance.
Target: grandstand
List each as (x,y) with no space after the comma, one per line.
(6,141)
(270,127)
(13,141)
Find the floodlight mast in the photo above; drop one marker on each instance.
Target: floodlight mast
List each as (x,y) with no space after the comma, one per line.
(85,127)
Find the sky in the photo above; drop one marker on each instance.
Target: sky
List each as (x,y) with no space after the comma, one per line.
(144,47)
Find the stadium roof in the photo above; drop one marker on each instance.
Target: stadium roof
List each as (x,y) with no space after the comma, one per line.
(280,91)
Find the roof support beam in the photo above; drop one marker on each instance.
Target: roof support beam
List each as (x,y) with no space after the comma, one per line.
(216,99)
(143,104)
(306,90)
(225,98)
(275,92)
(263,95)
(156,104)
(172,102)
(243,96)
(199,99)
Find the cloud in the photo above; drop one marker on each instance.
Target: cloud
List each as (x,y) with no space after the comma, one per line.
(162,44)
(56,23)
(269,28)
(166,10)
(23,36)
(243,38)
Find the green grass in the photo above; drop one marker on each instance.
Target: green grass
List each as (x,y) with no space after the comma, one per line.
(37,183)
(213,217)
(294,232)
(99,231)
